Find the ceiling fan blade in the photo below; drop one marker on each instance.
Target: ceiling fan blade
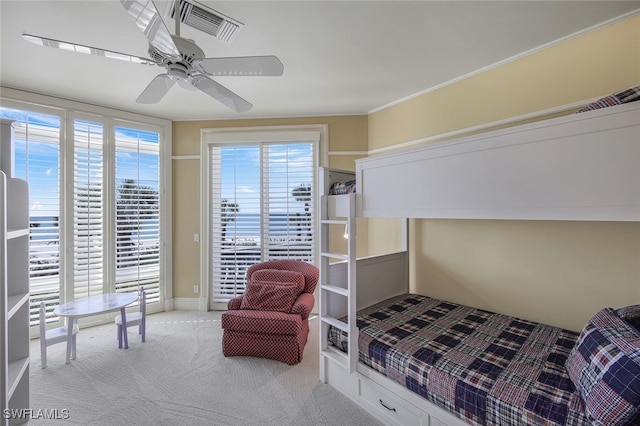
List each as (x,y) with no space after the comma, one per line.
(221,93)
(156,90)
(79,48)
(242,66)
(186,84)
(146,16)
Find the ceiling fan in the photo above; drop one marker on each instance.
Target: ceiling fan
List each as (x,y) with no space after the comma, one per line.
(183,60)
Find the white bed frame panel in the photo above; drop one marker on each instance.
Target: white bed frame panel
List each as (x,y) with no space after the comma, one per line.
(580,167)
(391,269)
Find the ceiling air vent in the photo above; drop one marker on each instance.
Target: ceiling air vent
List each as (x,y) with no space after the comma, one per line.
(206,20)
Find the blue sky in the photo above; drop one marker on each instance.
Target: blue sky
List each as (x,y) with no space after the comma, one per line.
(43,154)
(289,165)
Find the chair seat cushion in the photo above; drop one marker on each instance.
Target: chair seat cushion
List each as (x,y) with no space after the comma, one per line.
(272,290)
(262,322)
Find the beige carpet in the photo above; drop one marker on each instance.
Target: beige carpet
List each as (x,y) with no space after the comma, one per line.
(179,376)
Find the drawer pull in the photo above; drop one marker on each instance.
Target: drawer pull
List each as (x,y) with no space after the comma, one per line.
(386,406)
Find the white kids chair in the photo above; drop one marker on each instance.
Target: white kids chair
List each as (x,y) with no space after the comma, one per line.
(135,318)
(53,336)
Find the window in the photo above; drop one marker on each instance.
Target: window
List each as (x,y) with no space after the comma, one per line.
(137,211)
(135,195)
(261,204)
(37,160)
(100,220)
(88,209)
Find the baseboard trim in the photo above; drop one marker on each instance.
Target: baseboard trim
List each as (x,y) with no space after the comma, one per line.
(188,304)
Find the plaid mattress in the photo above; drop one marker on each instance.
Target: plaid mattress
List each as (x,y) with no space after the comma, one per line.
(486,368)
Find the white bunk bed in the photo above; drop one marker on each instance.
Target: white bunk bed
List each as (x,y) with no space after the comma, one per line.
(580,167)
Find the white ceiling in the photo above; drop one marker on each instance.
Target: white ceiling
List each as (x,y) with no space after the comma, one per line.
(340,57)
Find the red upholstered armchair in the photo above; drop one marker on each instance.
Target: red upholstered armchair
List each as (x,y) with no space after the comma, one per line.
(271,319)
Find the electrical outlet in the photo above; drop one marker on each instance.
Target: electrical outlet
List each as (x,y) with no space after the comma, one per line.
(196,289)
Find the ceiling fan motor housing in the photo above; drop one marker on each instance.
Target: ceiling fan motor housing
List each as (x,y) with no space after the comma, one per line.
(182,68)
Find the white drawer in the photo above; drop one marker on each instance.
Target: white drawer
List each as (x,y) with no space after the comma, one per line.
(387,405)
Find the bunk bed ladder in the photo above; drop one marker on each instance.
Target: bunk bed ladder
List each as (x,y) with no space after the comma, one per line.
(338,289)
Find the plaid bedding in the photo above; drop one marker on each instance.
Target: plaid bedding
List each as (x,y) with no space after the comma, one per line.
(339,188)
(486,368)
(631,94)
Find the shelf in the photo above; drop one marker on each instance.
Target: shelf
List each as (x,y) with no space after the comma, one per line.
(14,303)
(14,286)
(15,371)
(335,256)
(335,289)
(16,273)
(11,234)
(340,205)
(334,222)
(17,199)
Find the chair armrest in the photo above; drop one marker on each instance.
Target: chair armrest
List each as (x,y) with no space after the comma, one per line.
(303,305)
(234,304)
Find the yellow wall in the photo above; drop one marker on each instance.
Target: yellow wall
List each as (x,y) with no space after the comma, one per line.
(346,133)
(592,65)
(553,272)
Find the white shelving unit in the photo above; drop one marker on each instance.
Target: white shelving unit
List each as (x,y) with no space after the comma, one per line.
(14,286)
(337,284)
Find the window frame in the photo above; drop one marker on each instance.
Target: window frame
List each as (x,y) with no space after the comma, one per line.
(317,133)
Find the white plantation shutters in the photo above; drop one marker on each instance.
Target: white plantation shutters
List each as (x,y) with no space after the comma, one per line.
(134,201)
(137,202)
(288,174)
(37,160)
(235,217)
(134,260)
(88,208)
(261,207)
(78,165)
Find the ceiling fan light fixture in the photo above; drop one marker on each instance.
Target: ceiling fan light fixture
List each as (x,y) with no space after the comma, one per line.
(178,72)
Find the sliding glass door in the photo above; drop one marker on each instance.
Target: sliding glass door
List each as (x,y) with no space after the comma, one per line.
(261,207)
